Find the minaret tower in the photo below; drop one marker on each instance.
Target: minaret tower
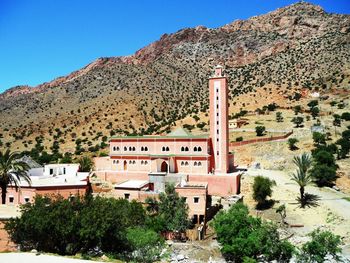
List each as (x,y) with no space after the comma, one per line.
(218,96)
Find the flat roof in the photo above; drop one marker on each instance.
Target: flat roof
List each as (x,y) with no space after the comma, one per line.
(132,184)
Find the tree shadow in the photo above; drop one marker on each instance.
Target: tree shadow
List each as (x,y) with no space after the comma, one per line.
(265,205)
(309,200)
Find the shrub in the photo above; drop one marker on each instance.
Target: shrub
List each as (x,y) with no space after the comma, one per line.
(262,188)
(319,138)
(279,117)
(239,139)
(298,121)
(242,236)
(292,142)
(260,130)
(346,116)
(322,243)
(323,175)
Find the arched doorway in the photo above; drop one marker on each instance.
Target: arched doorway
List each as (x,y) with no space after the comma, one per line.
(125,165)
(164,167)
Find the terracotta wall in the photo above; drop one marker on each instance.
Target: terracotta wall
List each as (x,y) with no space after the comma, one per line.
(5,243)
(272,138)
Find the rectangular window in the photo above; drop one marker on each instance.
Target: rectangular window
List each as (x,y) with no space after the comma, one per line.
(217,90)
(26,199)
(217,152)
(196,200)
(217,98)
(217,131)
(64,170)
(51,171)
(11,199)
(126,196)
(217,114)
(217,123)
(217,139)
(217,106)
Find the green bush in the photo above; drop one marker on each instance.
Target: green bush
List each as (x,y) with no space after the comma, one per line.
(65,226)
(239,139)
(321,244)
(242,236)
(292,142)
(262,188)
(260,130)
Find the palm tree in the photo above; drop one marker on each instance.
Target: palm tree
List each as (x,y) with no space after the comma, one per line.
(85,164)
(303,162)
(301,176)
(12,169)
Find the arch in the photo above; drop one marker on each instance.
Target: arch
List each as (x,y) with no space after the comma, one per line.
(199,163)
(142,149)
(146,149)
(182,163)
(142,162)
(125,148)
(164,167)
(114,148)
(130,149)
(163,149)
(130,162)
(186,149)
(199,149)
(125,165)
(146,162)
(133,148)
(195,149)
(195,164)
(167,149)
(182,149)
(133,162)
(186,163)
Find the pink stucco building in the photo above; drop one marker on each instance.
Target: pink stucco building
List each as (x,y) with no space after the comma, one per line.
(198,165)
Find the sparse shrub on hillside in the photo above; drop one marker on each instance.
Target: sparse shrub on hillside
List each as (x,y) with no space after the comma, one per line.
(297,109)
(298,121)
(260,130)
(292,142)
(346,116)
(279,117)
(319,138)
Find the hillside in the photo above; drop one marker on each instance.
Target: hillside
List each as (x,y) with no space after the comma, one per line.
(268,58)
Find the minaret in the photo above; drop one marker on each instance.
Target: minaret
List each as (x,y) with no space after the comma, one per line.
(218,96)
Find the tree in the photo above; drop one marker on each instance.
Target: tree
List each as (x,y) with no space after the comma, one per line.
(337,120)
(279,117)
(85,164)
(146,244)
(312,104)
(292,142)
(324,170)
(297,109)
(12,170)
(315,112)
(344,147)
(319,138)
(260,130)
(321,244)
(173,210)
(242,236)
(262,188)
(346,116)
(298,121)
(301,176)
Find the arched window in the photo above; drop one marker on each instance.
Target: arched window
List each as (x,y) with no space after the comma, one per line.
(146,149)
(117,161)
(146,162)
(186,163)
(186,149)
(199,163)
(195,149)
(142,149)
(195,164)
(142,162)
(133,148)
(182,163)
(130,149)
(199,149)
(114,148)
(114,161)
(167,149)
(163,149)
(125,148)
(130,162)
(182,149)
(133,162)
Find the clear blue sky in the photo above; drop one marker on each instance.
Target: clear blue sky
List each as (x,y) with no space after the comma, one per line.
(44,39)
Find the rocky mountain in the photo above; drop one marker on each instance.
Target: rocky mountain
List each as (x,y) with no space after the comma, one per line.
(268,58)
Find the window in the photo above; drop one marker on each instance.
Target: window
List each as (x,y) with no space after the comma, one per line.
(186,163)
(217,90)
(142,149)
(186,149)
(115,148)
(26,199)
(217,106)
(182,163)
(130,162)
(51,171)
(142,162)
(130,149)
(126,196)
(133,162)
(217,131)
(199,149)
(11,199)
(163,149)
(182,149)
(217,123)
(146,162)
(217,98)
(195,149)
(196,200)
(167,149)
(146,149)
(199,163)
(64,170)
(133,148)
(125,148)
(217,114)
(217,139)
(195,164)
(217,153)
